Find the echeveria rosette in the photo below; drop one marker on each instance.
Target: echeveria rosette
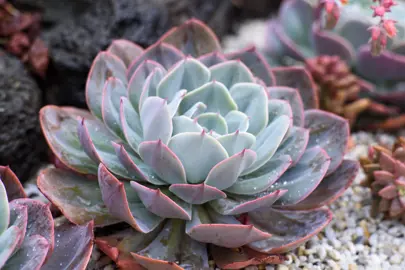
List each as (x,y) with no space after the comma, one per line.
(194,147)
(296,34)
(27,232)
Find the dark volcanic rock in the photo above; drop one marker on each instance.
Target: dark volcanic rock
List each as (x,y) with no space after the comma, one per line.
(75,43)
(21,143)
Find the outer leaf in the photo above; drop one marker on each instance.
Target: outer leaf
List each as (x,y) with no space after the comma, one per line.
(59,125)
(211,59)
(27,257)
(196,194)
(105,65)
(73,247)
(329,131)
(19,218)
(231,72)
(78,198)
(125,50)
(9,240)
(4,209)
(190,147)
(192,37)
(289,229)
(293,98)
(10,181)
(300,79)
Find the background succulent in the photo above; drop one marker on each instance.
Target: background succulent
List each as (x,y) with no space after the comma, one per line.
(27,231)
(385,170)
(193,147)
(296,35)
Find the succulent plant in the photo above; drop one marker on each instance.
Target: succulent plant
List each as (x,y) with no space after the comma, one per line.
(195,149)
(296,35)
(385,170)
(27,233)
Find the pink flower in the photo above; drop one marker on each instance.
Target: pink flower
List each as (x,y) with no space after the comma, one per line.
(387,4)
(378,11)
(332,13)
(389,26)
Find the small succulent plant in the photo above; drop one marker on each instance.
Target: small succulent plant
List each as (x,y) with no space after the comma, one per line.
(195,149)
(385,170)
(296,35)
(27,230)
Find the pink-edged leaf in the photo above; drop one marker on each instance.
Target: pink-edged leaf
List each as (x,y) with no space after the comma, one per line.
(173,249)
(197,193)
(126,50)
(192,37)
(163,161)
(40,221)
(329,131)
(11,183)
(113,90)
(9,240)
(329,43)
(73,247)
(399,169)
(227,258)
(161,204)
(19,218)
(383,177)
(59,125)
(211,59)
(263,178)
(387,163)
(207,226)
(255,62)
(226,173)
(331,187)
(303,178)
(124,204)
(289,229)
(396,208)
(105,65)
(164,54)
(300,79)
(236,205)
(294,145)
(78,198)
(293,97)
(389,192)
(139,79)
(28,257)
(386,66)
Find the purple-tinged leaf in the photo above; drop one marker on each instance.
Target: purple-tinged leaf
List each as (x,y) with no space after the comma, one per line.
(156,120)
(300,79)
(105,65)
(28,257)
(138,80)
(226,173)
(196,194)
(329,43)
(255,62)
(261,179)
(303,178)
(331,187)
(231,72)
(131,124)
(294,145)
(59,125)
(329,131)
(73,247)
(126,50)
(78,198)
(162,53)
(211,59)
(387,163)
(356,32)
(173,249)
(190,147)
(125,205)
(192,37)
(19,218)
(226,231)
(40,221)
(11,183)
(161,204)
(294,99)
(289,229)
(114,89)
(9,240)
(237,205)
(387,66)
(163,161)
